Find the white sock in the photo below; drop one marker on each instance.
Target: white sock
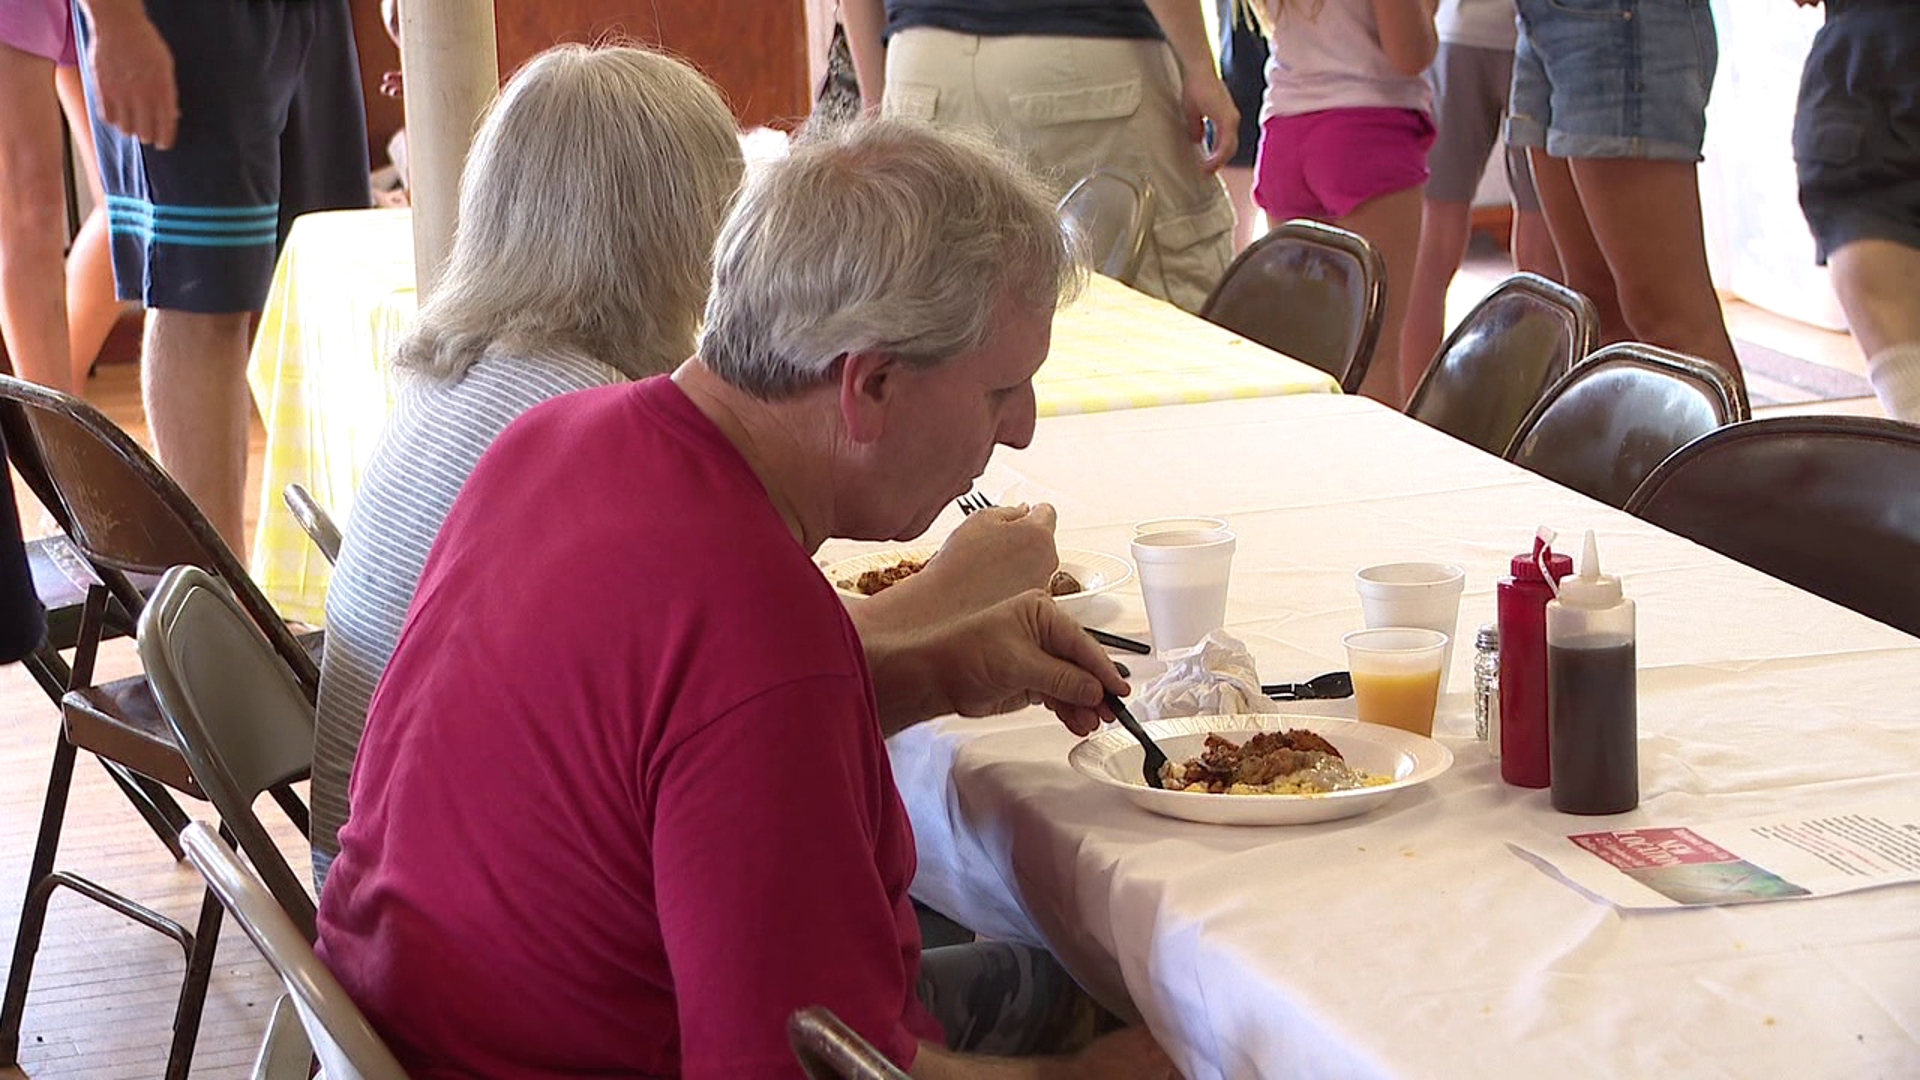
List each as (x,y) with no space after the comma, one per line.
(1895,375)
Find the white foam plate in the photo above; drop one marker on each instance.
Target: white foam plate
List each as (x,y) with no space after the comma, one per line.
(1096,571)
(1113,757)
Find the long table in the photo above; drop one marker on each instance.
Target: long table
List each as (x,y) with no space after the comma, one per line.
(343,296)
(1413,942)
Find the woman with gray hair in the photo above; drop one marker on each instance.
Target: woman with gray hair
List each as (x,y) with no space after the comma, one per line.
(588,210)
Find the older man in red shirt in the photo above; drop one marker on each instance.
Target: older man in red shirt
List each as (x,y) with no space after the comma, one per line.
(623,802)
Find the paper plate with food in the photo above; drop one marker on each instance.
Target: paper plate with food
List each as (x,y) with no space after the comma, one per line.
(1263,769)
(1082,574)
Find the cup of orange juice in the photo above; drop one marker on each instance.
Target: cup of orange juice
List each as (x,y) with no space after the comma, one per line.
(1396,675)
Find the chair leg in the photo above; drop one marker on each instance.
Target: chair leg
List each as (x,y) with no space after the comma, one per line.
(157,808)
(33,913)
(193,990)
(295,810)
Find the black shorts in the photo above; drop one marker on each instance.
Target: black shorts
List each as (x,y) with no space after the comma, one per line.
(1243,67)
(1856,134)
(272,125)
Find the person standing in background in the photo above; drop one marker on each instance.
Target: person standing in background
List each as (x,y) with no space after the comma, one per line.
(1074,86)
(1472,77)
(1345,131)
(1856,142)
(56,306)
(1610,102)
(1243,67)
(217,123)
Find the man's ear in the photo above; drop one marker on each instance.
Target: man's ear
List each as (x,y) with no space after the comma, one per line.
(869,381)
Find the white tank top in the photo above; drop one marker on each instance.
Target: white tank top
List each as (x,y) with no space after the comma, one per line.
(1332,60)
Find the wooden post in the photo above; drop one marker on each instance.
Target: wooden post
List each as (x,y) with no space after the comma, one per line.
(452,69)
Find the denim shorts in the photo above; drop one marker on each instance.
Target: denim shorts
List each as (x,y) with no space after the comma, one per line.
(1613,78)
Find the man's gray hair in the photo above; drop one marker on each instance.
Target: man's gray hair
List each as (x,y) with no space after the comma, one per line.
(588,210)
(881,235)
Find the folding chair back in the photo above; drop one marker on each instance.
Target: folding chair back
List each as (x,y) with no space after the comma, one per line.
(1828,503)
(1111,213)
(237,711)
(347,1046)
(1621,412)
(314,521)
(126,514)
(1525,335)
(1311,291)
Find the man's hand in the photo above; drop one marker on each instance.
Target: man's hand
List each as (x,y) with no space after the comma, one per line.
(133,71)
(996,552)
(1205,97)
(1022,651)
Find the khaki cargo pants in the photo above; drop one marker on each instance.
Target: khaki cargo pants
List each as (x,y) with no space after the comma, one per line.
(1070,106)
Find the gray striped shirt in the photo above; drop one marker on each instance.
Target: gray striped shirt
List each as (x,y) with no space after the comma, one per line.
(436,436)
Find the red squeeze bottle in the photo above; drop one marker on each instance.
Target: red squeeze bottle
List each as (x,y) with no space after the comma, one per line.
(1522,600)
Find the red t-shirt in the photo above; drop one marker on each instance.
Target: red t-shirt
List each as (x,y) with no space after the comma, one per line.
(622,804)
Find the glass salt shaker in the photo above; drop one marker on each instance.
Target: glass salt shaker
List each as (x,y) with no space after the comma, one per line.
(1486,686)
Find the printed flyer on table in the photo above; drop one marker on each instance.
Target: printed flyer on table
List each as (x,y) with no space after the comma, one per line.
(1742,862)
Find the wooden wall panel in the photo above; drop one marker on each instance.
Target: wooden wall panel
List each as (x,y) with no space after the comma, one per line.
(755,50)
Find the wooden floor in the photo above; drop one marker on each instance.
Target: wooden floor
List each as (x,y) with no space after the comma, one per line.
(102,1001)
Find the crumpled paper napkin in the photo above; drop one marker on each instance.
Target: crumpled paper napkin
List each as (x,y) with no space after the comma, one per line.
(1212,677)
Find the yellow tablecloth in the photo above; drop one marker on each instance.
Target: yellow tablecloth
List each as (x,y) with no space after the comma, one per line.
(343,295)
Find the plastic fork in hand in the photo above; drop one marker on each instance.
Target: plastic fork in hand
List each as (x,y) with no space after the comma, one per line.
(1156,759)
(972,501)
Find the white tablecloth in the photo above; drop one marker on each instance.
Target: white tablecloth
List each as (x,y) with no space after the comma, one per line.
(1413,942)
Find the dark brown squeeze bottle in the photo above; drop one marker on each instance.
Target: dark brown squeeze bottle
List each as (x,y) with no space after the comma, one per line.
(1592,718)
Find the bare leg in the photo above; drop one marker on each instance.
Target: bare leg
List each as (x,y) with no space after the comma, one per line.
(1249,221)
(1879,286)
(1878,282)
(33,234)
(1533,245)
(1645,216)
(92,307)
(1392,224)
(1443,245)
(193,380)
(1582,265)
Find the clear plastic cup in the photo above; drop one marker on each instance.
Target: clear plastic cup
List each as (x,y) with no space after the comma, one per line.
(1422,594)
(1396,675)
(1183,579)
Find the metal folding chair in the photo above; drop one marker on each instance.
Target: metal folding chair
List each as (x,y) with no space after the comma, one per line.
(1111,213)
(1828,503)
(1619,413)
(1311,291)
(124,516)
(1525,335)
(347,1046)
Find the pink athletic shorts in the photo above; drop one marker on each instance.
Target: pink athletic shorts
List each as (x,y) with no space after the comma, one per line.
(1324,164)
(41,27)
